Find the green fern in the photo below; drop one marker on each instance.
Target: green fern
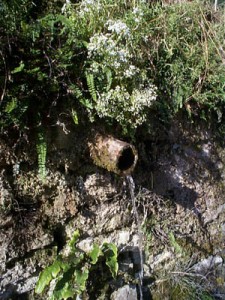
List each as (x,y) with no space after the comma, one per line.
(76,91)
(79,95)
(91,85)
(41,152)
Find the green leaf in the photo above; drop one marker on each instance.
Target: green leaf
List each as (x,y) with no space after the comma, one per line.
(47,275)
(86,103)
(34,70)
(111,254)
(55,268)
(81,278)
(74,239)
(65,266)
(75,257)
(175,244)
(65,21)
(112,263)
(74,116)
(64,293)
(110,247)
(24,26)
(11,106)
(95,253)
(19,68)
(44,280)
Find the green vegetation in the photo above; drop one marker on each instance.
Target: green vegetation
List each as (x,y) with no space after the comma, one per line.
(69,273)
(41,151)
(116,62)
(113,62)
(177,248)
(183,285)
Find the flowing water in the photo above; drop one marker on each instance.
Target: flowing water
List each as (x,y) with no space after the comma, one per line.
(131,186)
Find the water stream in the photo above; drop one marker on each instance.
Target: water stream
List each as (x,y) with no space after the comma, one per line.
(131,186)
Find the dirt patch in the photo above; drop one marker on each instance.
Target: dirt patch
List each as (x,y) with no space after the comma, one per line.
(179,197)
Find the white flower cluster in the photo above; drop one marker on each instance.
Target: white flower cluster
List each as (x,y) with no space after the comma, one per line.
(100,45)
(145,96)
(103,49)
(108,103)
(66,6)
(111,60)
(112,50)
(87,6)
(131,71)
(126,109)
(138,14)
(118,27)
(89,2)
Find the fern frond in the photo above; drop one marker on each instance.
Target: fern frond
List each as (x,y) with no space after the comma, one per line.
(79,95)
(41,152)
(91,85)
(74,89)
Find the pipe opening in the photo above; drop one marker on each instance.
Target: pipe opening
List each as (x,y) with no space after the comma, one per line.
(126,159)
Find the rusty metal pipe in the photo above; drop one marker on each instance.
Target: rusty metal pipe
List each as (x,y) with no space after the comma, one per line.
(112,154)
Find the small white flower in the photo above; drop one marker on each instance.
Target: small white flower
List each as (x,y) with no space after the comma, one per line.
(118,27)
(145,38)
(126,109)
(131,71)
(138,11)
(117,65)
(89,2)
(123,55)
(66,5)
(87,6)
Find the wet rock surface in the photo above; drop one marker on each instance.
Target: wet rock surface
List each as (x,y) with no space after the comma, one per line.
(179,197)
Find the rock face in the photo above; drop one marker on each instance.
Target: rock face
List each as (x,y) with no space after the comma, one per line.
(125,293)
(173,236)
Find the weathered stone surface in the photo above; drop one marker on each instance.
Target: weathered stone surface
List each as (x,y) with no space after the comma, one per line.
(99,187)
(6,199)
(208,264)
(125,293)
(179,199)
(21,277)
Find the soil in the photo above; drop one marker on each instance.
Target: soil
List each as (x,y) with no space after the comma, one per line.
(179,197)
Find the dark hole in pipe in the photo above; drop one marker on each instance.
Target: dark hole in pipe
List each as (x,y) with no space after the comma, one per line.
(126,159)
